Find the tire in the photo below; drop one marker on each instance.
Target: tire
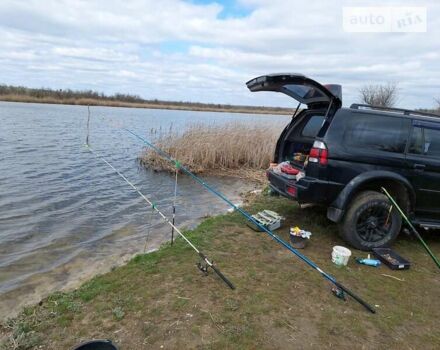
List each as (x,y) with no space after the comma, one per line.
(368,223)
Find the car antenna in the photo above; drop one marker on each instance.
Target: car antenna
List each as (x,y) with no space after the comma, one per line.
(340,289)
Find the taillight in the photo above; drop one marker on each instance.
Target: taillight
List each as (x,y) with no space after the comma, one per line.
(319,153)
(292,191)
(314,155)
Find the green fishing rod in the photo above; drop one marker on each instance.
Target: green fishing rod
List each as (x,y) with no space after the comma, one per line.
(340,288)
(411,226)
(207,262)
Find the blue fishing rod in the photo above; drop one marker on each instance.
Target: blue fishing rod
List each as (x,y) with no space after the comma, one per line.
(341,289)
(205,264)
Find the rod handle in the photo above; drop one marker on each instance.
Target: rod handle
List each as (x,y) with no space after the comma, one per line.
(356,297)
(223,277)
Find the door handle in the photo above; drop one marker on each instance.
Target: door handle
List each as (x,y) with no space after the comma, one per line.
(419,166)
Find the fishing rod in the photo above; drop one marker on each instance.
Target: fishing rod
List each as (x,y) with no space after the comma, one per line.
(174,204)
(413,229)
(340,288)
(207,262)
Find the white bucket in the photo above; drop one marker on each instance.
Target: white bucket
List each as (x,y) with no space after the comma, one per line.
(340,255)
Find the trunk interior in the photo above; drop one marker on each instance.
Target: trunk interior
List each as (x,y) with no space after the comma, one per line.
(295,143)
(295,152)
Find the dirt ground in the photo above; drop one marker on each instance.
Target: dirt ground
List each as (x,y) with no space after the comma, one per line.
(162,301)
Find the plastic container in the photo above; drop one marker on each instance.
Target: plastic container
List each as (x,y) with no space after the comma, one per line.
(390,258)
(298,242)
(100,344)
(341,255)
(268,219)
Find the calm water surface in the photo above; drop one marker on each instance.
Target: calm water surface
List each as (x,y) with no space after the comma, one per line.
(65,216)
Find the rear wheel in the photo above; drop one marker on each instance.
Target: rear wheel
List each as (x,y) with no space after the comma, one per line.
(369,223)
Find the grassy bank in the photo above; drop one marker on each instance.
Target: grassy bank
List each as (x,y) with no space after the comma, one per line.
(241,150)
(162,300)
(183,106)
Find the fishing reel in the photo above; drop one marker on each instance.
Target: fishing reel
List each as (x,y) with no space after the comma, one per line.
(339,293)
(203,266)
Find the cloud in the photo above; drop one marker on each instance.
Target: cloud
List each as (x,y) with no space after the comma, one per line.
(182,50)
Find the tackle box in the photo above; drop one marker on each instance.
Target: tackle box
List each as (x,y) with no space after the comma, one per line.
(390,258)
(268,219)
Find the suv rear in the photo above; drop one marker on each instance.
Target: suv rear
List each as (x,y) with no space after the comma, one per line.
(341,157)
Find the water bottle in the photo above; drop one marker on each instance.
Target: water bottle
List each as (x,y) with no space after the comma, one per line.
(369,262)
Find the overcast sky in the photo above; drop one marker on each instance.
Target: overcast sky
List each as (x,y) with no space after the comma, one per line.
(205,51)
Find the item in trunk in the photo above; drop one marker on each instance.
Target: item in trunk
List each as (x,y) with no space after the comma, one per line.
(300,175)
(290,177)
(288,169)
(277,169)
(268,219)
(300,157)
(390,258)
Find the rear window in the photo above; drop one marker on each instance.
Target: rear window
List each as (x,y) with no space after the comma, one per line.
(375,132)
(425,142)
(313,126)
(303,91)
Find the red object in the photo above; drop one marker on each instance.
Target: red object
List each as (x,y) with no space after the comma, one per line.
(292,191)
(288,169)
(319,153)
(314,153)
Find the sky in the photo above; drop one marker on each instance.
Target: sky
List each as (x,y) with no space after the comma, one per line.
(205,51)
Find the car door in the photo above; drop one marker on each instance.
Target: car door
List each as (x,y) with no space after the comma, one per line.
(423,158)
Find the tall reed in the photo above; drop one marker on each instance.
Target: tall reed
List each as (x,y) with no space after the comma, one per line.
(217,149)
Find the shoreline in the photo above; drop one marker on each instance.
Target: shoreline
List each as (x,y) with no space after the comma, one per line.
(147,105)
(84,266)
(160,299)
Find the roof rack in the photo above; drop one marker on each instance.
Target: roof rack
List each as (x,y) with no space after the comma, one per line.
(395,110)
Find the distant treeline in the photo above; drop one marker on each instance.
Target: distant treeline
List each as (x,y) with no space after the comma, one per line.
(433,111)
(47,95)
(66,94)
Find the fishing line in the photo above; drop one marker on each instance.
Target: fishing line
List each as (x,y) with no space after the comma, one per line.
(251,219)
(150,222)
(207,262)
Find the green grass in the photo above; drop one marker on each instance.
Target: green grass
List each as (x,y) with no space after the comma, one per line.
(161,299)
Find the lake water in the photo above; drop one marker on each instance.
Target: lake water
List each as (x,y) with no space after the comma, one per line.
(65,216)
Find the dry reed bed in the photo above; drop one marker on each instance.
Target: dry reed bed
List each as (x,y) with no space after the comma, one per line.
(84,101)
(235,149)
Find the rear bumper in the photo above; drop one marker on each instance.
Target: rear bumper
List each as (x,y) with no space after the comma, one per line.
(306,190)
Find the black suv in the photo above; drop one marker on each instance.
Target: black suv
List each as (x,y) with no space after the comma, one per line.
(341,157)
